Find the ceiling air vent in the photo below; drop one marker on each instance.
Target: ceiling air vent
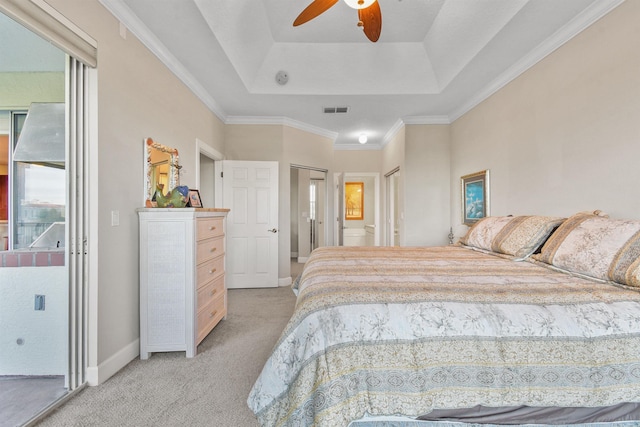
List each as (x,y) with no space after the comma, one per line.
(335,110)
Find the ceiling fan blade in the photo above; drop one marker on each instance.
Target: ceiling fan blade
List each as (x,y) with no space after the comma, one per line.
(314,9)
(371,19)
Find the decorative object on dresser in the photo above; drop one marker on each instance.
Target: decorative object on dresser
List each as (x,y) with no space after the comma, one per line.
(194,200)
(176,198)
(182,277)
(161,166)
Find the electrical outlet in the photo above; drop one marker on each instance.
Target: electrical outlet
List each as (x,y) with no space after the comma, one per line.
(39,303)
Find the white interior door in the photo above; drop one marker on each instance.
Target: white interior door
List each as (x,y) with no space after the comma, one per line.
(250,191)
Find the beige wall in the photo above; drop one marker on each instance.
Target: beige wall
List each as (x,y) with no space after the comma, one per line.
(564,136)
(138,97)
(426,193)
(357,161)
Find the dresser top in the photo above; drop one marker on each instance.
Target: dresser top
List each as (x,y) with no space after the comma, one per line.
(221,210)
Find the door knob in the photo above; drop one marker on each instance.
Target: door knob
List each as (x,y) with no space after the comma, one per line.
(273,230)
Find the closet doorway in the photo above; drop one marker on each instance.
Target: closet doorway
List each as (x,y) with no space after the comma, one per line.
(393,208)
(308,195)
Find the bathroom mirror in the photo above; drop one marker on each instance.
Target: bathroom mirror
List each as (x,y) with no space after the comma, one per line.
(162,166)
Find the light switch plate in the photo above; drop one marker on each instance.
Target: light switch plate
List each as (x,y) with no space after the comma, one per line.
(115,218)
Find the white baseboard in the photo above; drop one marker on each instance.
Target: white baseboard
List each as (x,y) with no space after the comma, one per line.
(302,259)
(96,375)
(285,281)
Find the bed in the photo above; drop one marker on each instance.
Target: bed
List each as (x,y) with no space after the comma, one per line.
(530,313)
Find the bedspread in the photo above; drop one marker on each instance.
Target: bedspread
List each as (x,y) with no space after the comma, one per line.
(383,331)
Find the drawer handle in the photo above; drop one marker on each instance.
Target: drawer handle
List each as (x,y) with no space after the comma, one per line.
(213,270)
(213,227)
(213,314)
(213,292)
(213,249)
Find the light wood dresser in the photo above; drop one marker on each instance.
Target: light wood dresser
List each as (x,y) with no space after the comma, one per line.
(182,277)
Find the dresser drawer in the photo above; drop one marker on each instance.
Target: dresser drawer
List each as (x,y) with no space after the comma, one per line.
(208,228)
(208,271)
(209,292)
(208,249)
(210,315)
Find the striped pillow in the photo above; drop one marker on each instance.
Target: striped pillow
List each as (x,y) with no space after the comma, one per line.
(599,247)
(519,236)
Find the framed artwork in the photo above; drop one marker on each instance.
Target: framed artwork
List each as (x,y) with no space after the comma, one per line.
(475,197)
(354,200)
(194,199)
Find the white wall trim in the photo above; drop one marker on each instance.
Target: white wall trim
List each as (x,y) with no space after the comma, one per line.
(393,132)
(96,375)
(283,121)
(594,12)
(122,12)
(285,281)
(204,148)
(426,120)
(302,259)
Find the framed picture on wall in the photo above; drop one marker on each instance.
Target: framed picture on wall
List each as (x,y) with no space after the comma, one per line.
(194,199)
(475,196)
(353,200)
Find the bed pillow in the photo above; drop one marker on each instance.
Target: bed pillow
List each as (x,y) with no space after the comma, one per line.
(596,246)
(519,236)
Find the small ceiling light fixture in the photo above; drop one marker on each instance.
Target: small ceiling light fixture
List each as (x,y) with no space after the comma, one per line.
(282,77)
(359,4)
(362,139)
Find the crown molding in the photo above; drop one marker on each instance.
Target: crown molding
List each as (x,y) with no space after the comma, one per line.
(122,12)
(356,147)
(590,15)
(426,120)
(391,133)
(282,121)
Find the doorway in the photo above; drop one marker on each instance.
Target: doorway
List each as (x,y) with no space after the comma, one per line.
(44,295)
(393,208)
(207,165)
(362,229)
(308,195)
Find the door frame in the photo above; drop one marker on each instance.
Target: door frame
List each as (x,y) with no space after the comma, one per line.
(325,230)
(339,180)
(391,200)
(202,148)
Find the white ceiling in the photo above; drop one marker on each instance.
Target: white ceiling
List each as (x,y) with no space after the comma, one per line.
(435,60)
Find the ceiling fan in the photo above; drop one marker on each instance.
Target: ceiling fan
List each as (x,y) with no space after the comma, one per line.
(369,15)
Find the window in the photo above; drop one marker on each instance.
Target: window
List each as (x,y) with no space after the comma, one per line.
(36,193)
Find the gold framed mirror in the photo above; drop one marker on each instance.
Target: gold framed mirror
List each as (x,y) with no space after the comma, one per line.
(162,166)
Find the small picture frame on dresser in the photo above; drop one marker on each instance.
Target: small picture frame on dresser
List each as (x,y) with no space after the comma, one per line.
(194,199)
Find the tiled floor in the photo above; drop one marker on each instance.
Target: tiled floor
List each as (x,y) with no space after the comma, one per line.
(23,397)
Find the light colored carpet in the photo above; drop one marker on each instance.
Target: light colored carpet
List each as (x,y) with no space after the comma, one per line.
(209,390)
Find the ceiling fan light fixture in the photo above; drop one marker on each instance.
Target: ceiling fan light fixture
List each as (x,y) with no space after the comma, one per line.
(362,139)
(359,4)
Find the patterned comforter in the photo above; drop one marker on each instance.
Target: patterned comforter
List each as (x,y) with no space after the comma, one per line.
(384,331)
